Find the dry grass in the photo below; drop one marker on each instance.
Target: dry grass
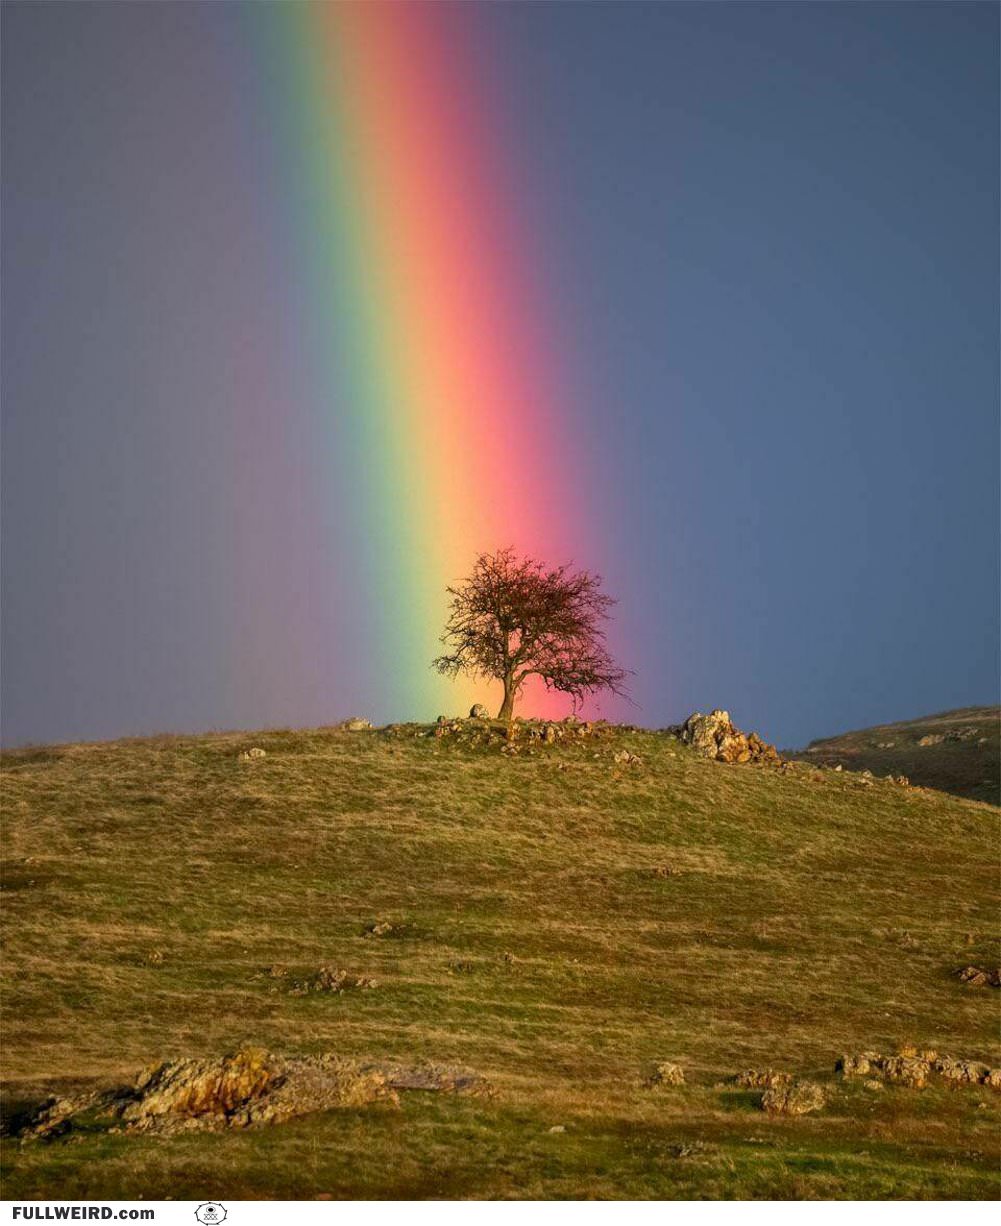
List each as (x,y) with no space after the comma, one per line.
(561,925)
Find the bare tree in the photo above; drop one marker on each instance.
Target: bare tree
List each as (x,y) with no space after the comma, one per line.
(513,619)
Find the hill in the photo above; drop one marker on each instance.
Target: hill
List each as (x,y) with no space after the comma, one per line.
(558,921)
(955,751)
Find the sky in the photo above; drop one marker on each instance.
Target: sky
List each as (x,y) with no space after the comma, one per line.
(755,246)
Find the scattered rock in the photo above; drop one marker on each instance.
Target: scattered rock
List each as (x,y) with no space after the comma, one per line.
(329,981)
(666,1074)
(859,1065)
(797,1098)
(250,755)
(356,724)
(762,1079)
(625,758)
(933,738)
(715,736)
(914,1069)
(478,711)
(910,1071)
(977,978)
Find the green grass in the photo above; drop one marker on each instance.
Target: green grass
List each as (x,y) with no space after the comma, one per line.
(967,762)
(148,883)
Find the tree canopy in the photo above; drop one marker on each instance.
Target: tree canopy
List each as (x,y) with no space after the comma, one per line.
(514,618)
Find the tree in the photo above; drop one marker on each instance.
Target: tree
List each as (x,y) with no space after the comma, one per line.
(513,619)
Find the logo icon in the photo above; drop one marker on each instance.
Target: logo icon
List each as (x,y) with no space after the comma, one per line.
(211,1213)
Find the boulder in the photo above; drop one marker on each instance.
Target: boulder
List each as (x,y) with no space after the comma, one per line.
(251,755)
(797,1098)
(356,724)
(667,1074)
(715,736)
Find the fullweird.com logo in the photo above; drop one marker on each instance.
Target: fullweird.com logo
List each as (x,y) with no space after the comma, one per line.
(211,1213)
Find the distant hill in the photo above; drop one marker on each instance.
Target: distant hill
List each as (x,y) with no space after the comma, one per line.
(557,915)
(954,751)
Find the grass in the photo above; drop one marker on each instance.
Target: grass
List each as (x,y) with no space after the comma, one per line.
(561,924)
(967,762)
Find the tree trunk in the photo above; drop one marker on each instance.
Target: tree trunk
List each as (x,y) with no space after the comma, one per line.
(507,706)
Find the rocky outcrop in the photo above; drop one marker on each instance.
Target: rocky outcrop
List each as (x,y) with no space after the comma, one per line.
(246,1088)
(716,736)
(915,1069)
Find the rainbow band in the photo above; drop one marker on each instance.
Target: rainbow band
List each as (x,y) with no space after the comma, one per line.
(445,418)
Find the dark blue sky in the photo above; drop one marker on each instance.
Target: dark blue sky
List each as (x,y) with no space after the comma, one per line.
(773,231)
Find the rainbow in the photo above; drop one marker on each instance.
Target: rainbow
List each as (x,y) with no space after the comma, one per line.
(446,427)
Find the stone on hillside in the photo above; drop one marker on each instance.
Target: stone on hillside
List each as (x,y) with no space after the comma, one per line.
(356,724)
(715,736)
(762,1079)
(859,1065)
(797,1098)
(667,1074)
(249,1087)
(978,978)
(909,1071)
(933,738)
(478,711)
(251,755)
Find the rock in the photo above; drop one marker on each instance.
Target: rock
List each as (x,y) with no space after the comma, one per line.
(762,1079)
(478,711)
(625,758)
(797,1098)
(873,1085)
(978,978)
(330,981)
(910,1071)
(715,736)
(667,1074)
(247,1088)
(931,739)
(356,724)
(558,1128)
(250,755)
(859,1065)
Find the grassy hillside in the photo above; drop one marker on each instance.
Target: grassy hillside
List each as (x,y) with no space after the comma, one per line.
(560,923)
(961,753)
